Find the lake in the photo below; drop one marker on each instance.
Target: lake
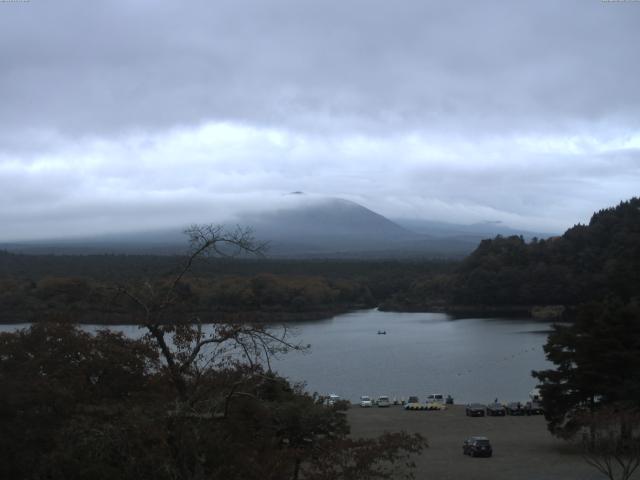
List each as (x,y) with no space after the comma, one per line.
(473,359)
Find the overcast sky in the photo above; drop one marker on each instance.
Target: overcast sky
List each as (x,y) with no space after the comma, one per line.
(119,115)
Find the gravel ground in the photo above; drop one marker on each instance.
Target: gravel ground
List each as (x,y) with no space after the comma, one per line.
(522,447)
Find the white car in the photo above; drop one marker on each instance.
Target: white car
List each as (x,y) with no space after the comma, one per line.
(383,401)
(332,399)
(365,401)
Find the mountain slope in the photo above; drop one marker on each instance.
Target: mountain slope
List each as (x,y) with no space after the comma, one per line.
(327,225)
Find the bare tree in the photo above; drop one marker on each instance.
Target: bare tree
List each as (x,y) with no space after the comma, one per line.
(611,441)
(185,346)
(191,351)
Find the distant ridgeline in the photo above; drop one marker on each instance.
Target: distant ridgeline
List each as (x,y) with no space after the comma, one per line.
(588,263)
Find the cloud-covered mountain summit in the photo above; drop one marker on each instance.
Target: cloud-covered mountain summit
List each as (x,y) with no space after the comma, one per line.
(300,226)
(325,224)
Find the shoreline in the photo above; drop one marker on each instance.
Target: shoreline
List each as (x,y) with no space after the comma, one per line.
(261,317)
(542,313)
(536,312)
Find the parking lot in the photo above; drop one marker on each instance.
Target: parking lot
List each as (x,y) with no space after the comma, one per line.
(523,448)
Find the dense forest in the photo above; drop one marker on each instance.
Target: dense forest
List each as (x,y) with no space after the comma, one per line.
(85,288)
(589,262)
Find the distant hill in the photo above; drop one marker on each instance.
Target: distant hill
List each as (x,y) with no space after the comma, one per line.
(474,232)
(301,227)
(327,225)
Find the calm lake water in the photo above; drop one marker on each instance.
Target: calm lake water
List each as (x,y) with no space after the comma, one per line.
(471,359)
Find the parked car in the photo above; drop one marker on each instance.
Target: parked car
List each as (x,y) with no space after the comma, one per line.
(413,399)
(474,410)
(477,447)
(365,401)
(383,401)
(514,408)
(533,408)
(332,399)
(435,398)
(495,410)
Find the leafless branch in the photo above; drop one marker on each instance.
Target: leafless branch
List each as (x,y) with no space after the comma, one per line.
(182,350)
(612,445)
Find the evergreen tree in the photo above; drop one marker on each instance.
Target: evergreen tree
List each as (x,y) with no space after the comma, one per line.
(597,364)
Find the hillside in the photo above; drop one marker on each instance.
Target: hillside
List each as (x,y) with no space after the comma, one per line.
(588,262)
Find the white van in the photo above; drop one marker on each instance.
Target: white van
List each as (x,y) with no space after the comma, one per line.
(535,396)
(435,398)
(366,402)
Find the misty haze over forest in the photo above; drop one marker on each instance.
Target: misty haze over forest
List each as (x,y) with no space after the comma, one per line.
(302,226)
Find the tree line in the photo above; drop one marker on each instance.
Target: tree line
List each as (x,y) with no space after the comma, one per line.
(83,288)
(87,300)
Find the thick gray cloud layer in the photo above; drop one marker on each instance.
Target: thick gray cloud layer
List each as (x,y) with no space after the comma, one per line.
(120,114)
